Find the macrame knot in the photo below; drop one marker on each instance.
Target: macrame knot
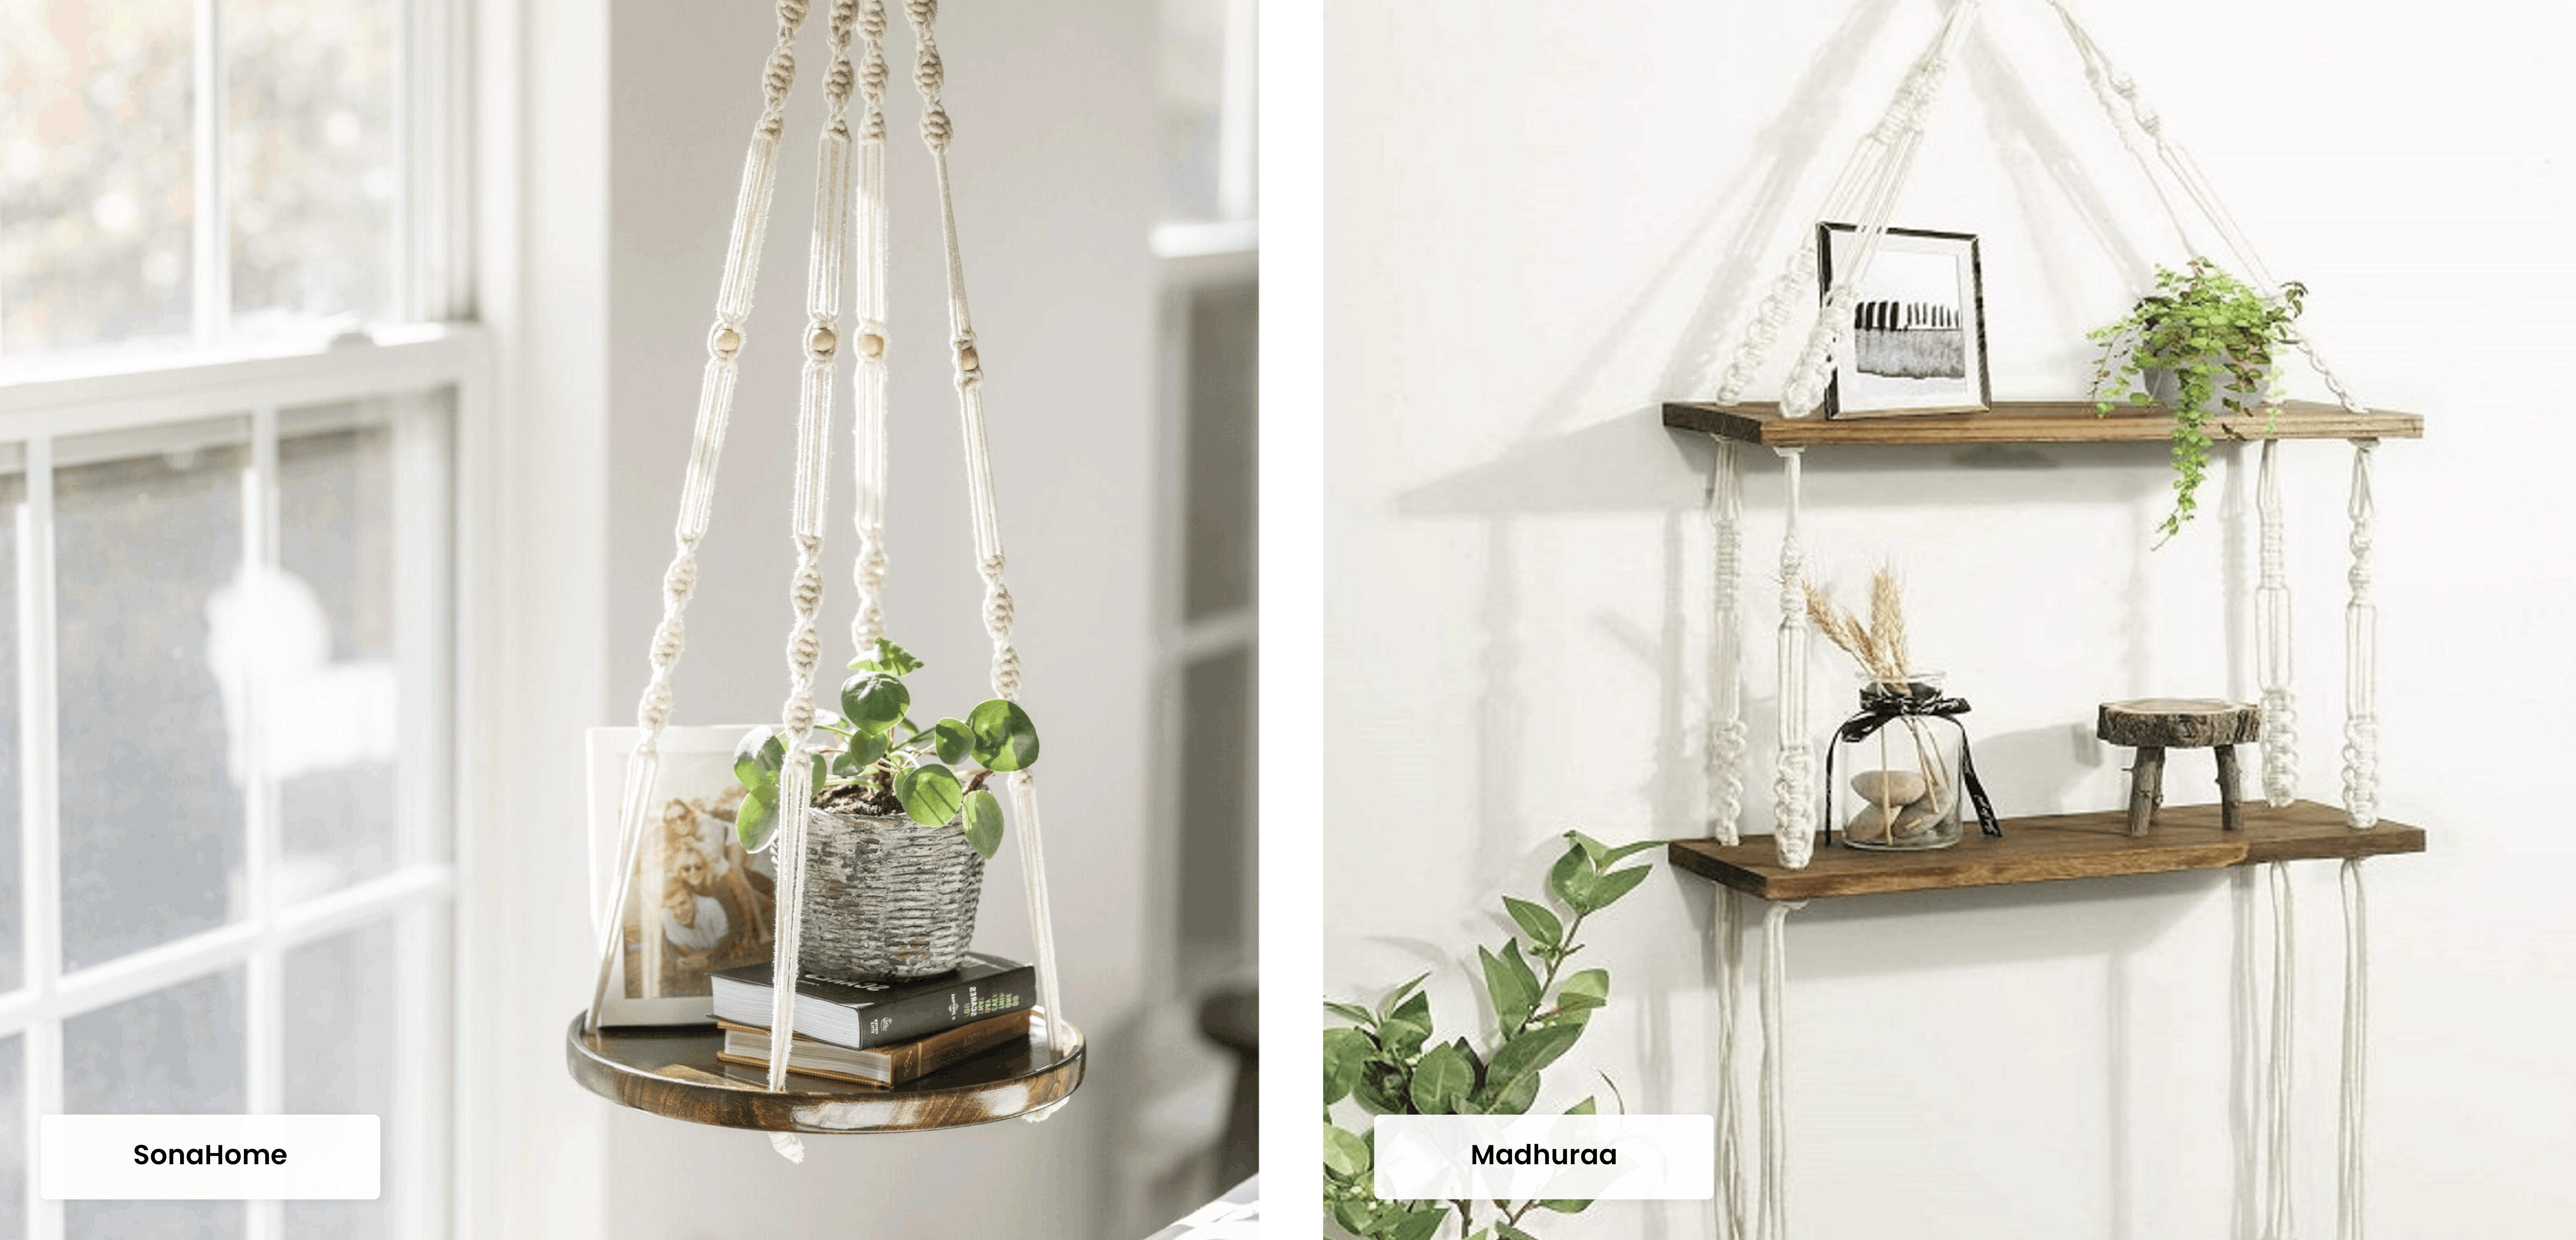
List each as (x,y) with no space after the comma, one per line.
(872,73)
(934,127)
(775,79)
(682,577)
(668,640)
(927,72)
(2148,121)
(922,12)
(808,590)
(800,717)
(872,21)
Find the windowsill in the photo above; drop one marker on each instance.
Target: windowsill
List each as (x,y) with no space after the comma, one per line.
(386,353)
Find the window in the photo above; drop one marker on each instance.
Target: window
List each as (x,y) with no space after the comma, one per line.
(226,498)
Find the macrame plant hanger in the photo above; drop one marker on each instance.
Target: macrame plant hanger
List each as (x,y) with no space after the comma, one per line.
(826,271)
(1865,193)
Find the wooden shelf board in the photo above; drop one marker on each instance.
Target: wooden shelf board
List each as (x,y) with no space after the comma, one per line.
(2060,846)
(2030,422)
(673,1071)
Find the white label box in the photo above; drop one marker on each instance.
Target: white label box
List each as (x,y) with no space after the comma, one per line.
(1549,1157)
(210,1157)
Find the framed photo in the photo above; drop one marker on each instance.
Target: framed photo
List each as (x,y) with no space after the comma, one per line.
(699,903)
(1918,339)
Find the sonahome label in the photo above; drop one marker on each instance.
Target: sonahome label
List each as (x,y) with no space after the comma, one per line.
(1546,1157)
(209,1157)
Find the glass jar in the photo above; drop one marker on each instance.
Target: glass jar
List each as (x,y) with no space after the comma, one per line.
(1895,771)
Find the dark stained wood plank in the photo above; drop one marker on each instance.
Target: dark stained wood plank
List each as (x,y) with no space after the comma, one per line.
(2052,848)
(674,1071)
(2030,422)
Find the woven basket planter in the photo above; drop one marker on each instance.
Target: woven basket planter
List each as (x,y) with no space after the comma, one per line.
(886,897)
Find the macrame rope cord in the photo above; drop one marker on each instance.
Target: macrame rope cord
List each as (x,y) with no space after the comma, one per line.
(1726,927)
(2273,648)
(1726,731)
(2361,656)
(2349,1166)
(825,269)
(697,488)
(868,429)
(928,77)
(1772,1204)
(1793,804)
(2278,1093)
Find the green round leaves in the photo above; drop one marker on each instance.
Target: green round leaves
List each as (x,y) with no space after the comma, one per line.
(1004,739)
(755,822)
(874,702)
(983,822)
(930,794)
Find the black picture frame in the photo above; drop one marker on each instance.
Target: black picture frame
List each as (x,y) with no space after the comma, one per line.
(1968,321)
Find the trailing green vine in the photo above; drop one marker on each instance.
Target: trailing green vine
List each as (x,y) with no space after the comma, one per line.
(2202,324)
(1379,1062)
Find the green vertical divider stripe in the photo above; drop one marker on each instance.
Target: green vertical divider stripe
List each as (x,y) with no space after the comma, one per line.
(1292,612)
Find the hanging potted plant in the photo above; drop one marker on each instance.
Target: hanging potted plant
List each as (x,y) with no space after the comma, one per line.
(2203,345)
(901,824)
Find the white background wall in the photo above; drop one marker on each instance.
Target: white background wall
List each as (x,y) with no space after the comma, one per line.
(1544,219)
(1056,189)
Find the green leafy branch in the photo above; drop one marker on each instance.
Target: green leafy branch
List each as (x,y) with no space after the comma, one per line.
(1388,1060)
(881,761)
(2202,324)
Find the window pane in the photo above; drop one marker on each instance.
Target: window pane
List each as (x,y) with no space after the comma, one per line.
(309,160)
(14,1152)
(1192,88)
(332,695)
(13,517)
(340,1058)
(1216,809)
(1224,423)
(154,630)
(96,172)
(173,1052)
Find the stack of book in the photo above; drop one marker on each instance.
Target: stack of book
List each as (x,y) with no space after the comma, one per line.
(880,1033)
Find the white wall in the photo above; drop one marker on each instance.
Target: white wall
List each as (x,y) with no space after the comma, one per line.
(1055,183)
(1543,220)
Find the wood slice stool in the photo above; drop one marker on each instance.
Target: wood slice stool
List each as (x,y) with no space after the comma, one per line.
(2154,725)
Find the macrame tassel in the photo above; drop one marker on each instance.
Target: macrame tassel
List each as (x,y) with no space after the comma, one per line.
(1793,801)
(2349,1178)
(2278,1092)
(1726,928)
(1773,1203)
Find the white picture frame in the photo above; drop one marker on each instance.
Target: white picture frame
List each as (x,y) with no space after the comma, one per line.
(1918,338)
(660,978)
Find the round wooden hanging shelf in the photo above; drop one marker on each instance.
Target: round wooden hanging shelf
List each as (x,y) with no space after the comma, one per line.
(674,1071)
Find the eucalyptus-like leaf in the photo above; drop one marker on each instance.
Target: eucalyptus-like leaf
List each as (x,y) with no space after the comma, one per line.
(1535,920)
(1565,1207)
(953,740)
(1440,1080)
(1568,870)
(755,822)
(1603,856)
(1351,1012)
(1514,1098)
(1422,1224)
(1524,1055)
(1511,984)
(983,821)
(874,701)
(930,794)
(1587,989)
(1004,739)
(1344,1154)
(1386,1006)
(1346,1052)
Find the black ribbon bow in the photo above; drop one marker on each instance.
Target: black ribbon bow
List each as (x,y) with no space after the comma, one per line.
(1881,705)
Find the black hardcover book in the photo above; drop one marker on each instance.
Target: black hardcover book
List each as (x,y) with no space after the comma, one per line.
(859,1015)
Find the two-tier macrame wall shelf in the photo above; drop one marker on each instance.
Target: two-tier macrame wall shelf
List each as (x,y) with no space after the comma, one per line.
(1781,871)
(674,1071)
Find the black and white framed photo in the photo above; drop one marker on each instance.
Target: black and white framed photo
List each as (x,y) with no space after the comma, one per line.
(1918,338)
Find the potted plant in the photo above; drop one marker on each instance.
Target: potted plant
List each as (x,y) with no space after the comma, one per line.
(2203,345)
(1393,1059)
(897,838)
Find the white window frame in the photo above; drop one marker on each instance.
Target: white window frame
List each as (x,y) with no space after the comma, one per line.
(420,894)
